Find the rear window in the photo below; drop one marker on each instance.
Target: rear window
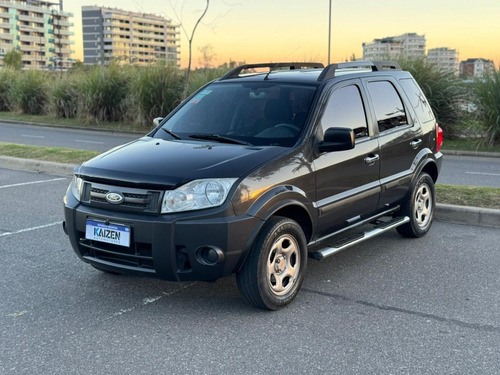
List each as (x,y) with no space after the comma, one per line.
(388,106)
(418,100)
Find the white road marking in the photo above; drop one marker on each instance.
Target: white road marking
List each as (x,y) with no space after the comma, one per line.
(93,142)
(33,136)
(30,229)
(484,173)
(32,183)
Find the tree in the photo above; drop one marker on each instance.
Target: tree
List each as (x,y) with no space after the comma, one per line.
(13,59)
(190,42)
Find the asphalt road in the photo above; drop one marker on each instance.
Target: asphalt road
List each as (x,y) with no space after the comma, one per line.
(389,306)
(62,137)
(470,170)
(457,170)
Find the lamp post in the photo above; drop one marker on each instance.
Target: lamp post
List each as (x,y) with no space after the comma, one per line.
(329,28)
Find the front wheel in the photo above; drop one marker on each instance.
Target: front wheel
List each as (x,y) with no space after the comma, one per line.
(419,207)
(273,273)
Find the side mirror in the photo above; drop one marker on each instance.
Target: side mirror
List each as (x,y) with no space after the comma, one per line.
(337,139)
(157,121)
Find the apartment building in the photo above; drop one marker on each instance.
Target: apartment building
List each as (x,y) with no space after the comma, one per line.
(444,58)
(407,45)
(40,30)
(136,38)
(476,68)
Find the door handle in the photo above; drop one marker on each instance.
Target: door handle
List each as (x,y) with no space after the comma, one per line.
(370,160)
(415,143)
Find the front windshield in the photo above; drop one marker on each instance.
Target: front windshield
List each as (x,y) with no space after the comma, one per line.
(258,113)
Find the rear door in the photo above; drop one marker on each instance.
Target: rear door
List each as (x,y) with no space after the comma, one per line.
(347,182)
(400,137)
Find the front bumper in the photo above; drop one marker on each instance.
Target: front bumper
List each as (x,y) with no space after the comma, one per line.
(175,248)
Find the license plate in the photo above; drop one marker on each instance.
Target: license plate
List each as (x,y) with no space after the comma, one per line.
(112,233)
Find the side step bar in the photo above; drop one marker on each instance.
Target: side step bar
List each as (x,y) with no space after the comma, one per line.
(335,248)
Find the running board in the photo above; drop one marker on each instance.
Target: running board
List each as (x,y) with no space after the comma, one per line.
(353,240)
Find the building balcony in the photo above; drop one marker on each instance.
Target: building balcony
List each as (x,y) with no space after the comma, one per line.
(5,15)
(30,29)
(21,17)
(29,38)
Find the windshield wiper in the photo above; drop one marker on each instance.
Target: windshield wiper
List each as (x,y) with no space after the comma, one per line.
(218,138)
(171,133)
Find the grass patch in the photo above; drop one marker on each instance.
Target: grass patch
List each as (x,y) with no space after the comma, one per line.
(474,196)
(74,122)
(54,154)
(469,145)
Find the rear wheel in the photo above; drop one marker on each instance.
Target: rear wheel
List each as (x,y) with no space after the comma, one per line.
(273,273)
(419,208)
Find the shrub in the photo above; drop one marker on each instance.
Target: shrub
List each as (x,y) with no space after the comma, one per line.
(443,89)
(154,92)
(64,96)
(29,92)
(102,92)
(487,91)
(7,79)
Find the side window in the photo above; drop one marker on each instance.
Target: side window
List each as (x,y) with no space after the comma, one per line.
(389,109)
(345,110)
(417,100)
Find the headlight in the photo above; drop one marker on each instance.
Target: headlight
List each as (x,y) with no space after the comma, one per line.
(197,195)
(77,187)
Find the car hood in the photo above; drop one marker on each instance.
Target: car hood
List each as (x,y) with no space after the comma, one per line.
(159,163)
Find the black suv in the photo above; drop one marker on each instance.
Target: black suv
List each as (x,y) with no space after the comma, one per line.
(258,170)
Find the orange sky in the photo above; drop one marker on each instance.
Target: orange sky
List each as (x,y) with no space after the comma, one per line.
(286,30)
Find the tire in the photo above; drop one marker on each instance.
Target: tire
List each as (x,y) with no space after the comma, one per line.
(273,272)
(419,207)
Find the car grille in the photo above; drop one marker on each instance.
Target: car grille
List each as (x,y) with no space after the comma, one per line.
(135,200)
(138,255)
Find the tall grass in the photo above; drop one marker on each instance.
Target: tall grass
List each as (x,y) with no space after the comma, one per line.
(487,91)
(64,95)
(28,93)
(102,92)
(201,77)
(7,78)
(443,89)
(154,92)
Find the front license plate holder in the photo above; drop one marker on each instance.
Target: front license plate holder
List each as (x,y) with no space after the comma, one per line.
(114,234)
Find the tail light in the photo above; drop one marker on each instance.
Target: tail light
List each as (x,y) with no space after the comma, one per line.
(439,138)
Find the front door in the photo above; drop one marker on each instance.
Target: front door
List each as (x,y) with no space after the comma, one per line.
(347,182)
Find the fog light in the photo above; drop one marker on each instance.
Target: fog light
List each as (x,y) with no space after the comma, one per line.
(209,255)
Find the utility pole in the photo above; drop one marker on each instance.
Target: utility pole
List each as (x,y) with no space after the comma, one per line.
(329,28)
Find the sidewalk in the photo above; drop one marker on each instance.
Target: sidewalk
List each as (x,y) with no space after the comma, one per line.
(444,212)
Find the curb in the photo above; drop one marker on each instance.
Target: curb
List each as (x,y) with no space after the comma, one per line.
(484,217)
(32,165)
(471,153)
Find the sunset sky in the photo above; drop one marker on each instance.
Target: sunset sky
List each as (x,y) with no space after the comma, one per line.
(293,30)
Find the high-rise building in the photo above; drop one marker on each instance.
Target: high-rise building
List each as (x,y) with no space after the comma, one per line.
(406,45)
(39,30)
(444,58)
(137,38)
(476,68)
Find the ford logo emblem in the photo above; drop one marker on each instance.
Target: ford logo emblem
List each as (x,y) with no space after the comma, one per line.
(115,198)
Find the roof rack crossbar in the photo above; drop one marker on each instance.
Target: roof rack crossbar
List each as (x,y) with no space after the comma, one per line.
(329,71)
(235,73)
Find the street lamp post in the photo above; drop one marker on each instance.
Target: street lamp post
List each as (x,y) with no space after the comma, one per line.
(329,28)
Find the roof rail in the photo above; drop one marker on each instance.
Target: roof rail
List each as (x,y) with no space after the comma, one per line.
(235,73)
(329,71)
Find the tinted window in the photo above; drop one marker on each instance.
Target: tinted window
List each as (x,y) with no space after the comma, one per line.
(417,100)
(255,113)
(389,109)
(345,110)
